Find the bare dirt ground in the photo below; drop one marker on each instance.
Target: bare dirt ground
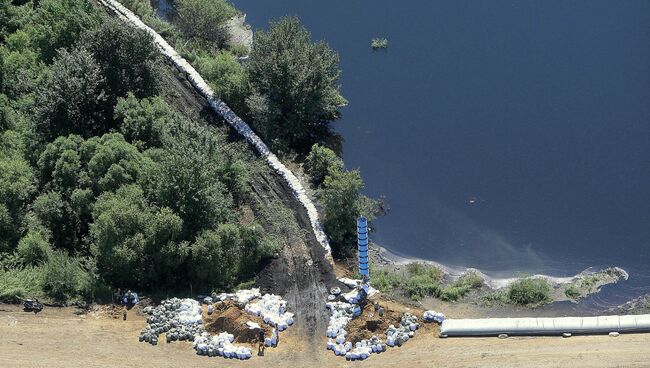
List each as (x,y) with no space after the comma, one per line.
(59,338)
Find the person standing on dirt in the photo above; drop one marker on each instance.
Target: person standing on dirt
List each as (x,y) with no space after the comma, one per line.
(260,349)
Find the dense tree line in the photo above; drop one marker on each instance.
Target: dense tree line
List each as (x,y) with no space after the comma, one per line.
(102,182)
(288,90)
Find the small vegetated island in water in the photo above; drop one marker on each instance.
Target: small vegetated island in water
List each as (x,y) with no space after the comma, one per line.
(379,43)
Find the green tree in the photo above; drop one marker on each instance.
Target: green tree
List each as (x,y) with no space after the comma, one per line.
(227,77)
(204,19)
(136,244)
(17,185)
(57,164)
(237,248)
(34,248)
(114,162)
(188,182)
(21,69)
(299,80)
(72,97)
(143,122)
(340,198)
(59,24)
(4,106)
(215,257)
(127,58)
(321,162)
(5,17)
(73,172)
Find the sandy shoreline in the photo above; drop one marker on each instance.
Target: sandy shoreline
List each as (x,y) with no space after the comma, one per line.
(387,257)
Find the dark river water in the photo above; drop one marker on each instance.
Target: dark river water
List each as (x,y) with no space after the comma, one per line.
(510,136)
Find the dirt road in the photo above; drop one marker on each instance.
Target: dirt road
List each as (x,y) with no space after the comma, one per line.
(59,338)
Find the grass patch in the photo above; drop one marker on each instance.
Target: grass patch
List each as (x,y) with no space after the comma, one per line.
(589,282)
(461,287)
(61,278)
(20,283)
(419,280)
(384,280)
(572,292)
(239,50)
(529,292)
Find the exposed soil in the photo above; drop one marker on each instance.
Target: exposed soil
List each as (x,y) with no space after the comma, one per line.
(229,317)
(370,323)
(58,338)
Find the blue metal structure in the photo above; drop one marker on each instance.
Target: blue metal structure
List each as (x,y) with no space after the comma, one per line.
(362,236)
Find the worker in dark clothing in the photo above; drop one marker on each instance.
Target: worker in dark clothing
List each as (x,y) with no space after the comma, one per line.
(260,349)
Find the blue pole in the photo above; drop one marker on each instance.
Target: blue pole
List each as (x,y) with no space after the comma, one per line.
(362,242)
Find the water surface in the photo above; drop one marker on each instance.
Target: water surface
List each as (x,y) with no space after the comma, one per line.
(506,135)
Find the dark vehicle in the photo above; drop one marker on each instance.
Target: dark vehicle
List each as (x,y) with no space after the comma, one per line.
(30,305)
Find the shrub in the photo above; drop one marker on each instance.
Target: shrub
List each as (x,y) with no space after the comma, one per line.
(420,286)
(239,50)
(385,280)
(204,19)
(572,292)
(227,77)
(423,281)
(379,43)
(529,291)
(64,277)
(33,248)
(461,287)
(20,283)
(322,162)
(453,293)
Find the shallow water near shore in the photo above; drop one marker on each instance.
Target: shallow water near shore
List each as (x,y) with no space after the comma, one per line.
(506,136)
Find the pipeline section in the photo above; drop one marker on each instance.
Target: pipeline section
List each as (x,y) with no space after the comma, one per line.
(545,326)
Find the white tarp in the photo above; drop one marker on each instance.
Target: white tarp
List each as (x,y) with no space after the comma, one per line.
(545,326)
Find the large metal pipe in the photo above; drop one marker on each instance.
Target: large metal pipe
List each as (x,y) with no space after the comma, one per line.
(545,326)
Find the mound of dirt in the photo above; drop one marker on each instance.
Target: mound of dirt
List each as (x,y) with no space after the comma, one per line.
(370,323)
(228,317)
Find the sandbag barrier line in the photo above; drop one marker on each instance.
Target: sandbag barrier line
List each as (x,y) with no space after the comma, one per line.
(229,116)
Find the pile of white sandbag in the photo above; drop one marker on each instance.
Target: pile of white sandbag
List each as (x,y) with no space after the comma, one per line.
(341,314)
(433,316)
(273,340)
(339,349)
(364,348)
(402,333)
(241,296)
(180,319)
(220,345)
(273,310)
(355,284)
